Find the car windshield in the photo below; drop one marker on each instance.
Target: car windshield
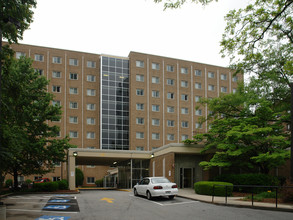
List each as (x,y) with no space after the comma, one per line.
(160,180)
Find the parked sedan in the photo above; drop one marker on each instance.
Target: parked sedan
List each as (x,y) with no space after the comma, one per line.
(155,186)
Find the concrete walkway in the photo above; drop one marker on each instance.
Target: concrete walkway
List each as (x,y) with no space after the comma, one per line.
(234,201)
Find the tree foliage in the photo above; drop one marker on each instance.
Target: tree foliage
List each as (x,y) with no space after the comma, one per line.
(28,139)
(178,3)
(246,132)
(15,18)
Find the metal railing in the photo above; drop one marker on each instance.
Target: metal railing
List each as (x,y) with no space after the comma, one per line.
(277,189)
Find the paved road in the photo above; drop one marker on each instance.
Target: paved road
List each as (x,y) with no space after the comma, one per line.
(122,205)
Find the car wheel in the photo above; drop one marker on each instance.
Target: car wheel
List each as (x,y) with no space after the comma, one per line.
(135,192)
(149,196)
(171,197)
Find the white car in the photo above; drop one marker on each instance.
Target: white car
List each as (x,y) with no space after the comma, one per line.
(155,186)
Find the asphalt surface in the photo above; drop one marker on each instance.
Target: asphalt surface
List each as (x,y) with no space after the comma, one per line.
(112,204)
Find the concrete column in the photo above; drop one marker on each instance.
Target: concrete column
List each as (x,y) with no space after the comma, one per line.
(71,172)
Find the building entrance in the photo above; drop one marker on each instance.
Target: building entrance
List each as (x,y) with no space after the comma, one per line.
(186,177)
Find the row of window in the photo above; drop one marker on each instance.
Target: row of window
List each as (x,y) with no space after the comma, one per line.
(89,134)
(156,122)
(156,136)
(156,108)
(74,105)
(73,90)
(89,120)
(58,60)
(155,79)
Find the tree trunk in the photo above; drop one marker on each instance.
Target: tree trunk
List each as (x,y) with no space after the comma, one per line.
(15,178)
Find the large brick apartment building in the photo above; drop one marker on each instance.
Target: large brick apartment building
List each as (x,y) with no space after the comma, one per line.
(136,103)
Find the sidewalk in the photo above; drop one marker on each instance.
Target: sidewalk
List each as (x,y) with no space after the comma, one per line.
(233,201)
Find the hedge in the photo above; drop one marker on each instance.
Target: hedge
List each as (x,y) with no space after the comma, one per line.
(45,187)
(254,179)
(99,183)
(210,188)
(62,184)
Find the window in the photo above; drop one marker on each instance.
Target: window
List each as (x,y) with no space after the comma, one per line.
(197,98)
(73,62)
(170,95)
(40,71)
(56,102)
(184,97)
(211,75)
(73,76)
(155,108)
(170,137)
(155,80)
(73,119)
(91,121)
(90,135)
(91,92)
(56,89)
(73,105)
(155,122)
(139,135)
(19,54)
(184,70)
(184,84)
(140,121)
(155,66)
(198,125)
(170,109)
(235,78)
(198,85)
(73,134)
(139,63)
(234,90)
(198,112)
(91,64)
(197,72)
(91,107)
(184,124)
(224,89)
(139,92)
(211,87)
(184,137)
(56,178)
(170,68)
(73,91)
(140,78)
(57,60)
(139,106)
(170,82)
(155,94)
(39,57)
(155,136)
(90,180)
(140,148)
(90,147)
(170,123)
(56,74)
(223,76)
(184,110)
(91,78)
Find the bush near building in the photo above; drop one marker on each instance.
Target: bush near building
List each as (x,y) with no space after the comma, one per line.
(99,183)
(213,188)
(79,177)
(45,187)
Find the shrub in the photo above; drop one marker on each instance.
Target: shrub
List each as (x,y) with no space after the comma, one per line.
(46,187)
(254,179)
(216,188)
(287,193)
(99,183)
(8,183)
(62,184)
(78,177)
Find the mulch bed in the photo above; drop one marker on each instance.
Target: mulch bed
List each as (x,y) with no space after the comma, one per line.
(266,200)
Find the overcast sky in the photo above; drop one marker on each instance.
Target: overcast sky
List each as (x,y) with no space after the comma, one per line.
(116,27)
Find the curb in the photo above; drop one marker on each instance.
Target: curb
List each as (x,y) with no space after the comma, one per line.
(240,206)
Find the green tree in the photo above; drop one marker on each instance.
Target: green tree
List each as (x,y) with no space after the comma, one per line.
(246,132)
(179,3)
(27,137)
